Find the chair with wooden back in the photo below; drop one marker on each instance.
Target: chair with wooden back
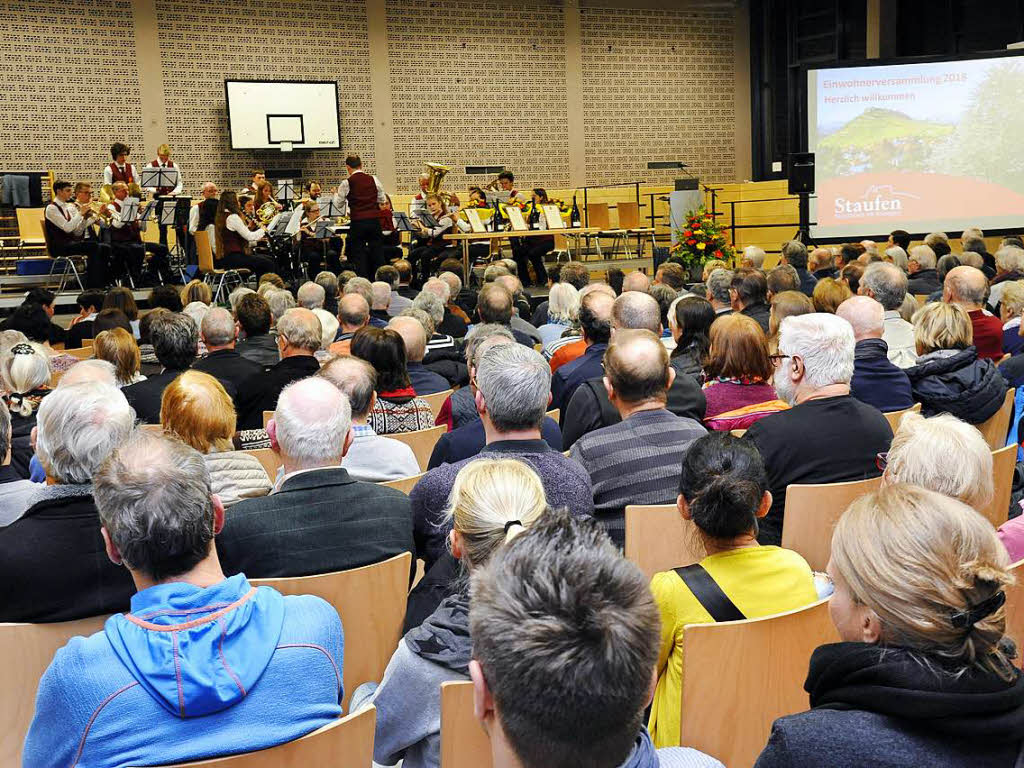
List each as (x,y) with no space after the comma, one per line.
(210,272)
(739,676)
(629,222)
(31,229)
(811,513)
(348,742)
(27,650)
(659,539)
(371,603)
(598,215)
(271,461)
(436,401)
(422,442)
(464,743)
(1003,463)
(996,427)
(554,413)
(82,353)
(267,416)
(894,417)
(404,484)
(1014,609)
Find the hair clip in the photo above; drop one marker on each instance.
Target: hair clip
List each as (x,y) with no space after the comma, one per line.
(510,523)
(22,349)
(970,617)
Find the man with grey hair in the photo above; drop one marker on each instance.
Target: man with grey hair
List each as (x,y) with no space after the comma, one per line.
(822,263)
(967,287)
(362,286)
(318,519)
(298,338)
(353,314)
(828,436)
(513,392)
(14,491)
(397,302)
(521,306)
(921,265)
(280,301)
(311,296)
(90,371)
(381,301)
(719,282)
(235,372)
(371,457)
(887,284)
(424,381)
(329,282)
(460,408)
(208,649)
(452,323)
(780,278)
(52,559)
(442,355)
(876,380)
(175,342)
(1009,261)
(753,258)
(794,253)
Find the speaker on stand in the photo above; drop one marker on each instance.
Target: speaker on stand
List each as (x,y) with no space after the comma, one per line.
(801,183)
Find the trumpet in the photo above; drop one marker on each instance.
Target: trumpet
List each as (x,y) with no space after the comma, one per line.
(493,185)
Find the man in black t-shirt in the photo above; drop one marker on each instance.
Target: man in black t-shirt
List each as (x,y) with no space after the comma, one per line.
(828,436)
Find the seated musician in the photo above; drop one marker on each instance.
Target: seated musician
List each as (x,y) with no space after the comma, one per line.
(316,252)
(234,239)
(430,245)
(258,176)
(312,190)
(120,169)
(127,244)
(479,250)
(66,225)
(419,202)
(533,249)
(391,244)
(506,180)
(264,195)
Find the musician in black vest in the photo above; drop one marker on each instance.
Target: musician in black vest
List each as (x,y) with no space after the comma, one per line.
(163,160)
(65,227)
(120,169)
(361,197)
(129,249)
(234,237)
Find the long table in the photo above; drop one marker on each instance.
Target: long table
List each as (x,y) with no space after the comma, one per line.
(467,237)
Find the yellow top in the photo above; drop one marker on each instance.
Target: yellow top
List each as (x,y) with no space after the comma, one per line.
(761,581)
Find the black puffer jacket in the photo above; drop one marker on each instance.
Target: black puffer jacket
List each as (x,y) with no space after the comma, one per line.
(687,362)
(957,382)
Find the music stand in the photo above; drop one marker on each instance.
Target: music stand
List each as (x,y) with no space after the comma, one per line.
(157,178)
(129,210)
(285,190)
(322,230)
(165,212)
(329,210)
(402,222)
(501,196)
(427,219)
(150,210)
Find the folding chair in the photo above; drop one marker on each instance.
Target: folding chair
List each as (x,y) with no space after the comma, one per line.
(228,277)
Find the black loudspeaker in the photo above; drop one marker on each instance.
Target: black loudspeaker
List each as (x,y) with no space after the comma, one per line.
(801,173)
(686,184)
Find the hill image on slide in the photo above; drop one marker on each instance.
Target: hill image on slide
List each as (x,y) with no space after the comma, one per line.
(880,140)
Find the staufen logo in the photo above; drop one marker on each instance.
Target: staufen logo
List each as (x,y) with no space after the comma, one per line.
(877,201)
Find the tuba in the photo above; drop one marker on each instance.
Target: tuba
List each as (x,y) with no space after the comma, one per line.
(437,172)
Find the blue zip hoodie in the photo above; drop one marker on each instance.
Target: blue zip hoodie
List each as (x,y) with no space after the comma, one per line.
(190,673)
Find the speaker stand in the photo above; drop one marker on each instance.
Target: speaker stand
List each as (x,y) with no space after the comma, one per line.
(803,233)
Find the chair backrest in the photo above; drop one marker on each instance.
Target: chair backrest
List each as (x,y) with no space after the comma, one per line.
(267,416)
(812,512)
(422,442)
(597,215)
(436,401)
(271,461)
(27,650)
(86,343)
(922,298)
(30,225)
(739,676)
(347,742)
(82,353)
(204,250)
(1003,463)
(464,743)
(1015,608)
(659,539)
(405,484)
(629,215)
(555,413)
(894,417)
(371,603)
(995,428)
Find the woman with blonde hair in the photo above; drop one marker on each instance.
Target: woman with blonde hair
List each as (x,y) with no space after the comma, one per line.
(196,409)
(563,311)
(786,304)
(949,376)
(491,502)
(118,347)
(829,294)
(1011,305)
(924,673)
(196,290)
(25,373)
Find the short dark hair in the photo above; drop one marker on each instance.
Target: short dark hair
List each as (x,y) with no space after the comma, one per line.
(175,340)
(597,330)
(110,318)
(507,176)
(852,273)
(723,481)
(973,244)
(575,274)
(31,319)
(494,304)
(384,349)
(566,632)
(615,277)
(59,185)
(354,161)
(122,298)
(147,321)
(119,148)
(672,275)
(253,314)
(941,248)
(41,295)
(782,278)
(751,287)
(455,267)
(387,274)
(166,296)
(901,238)
(664,294)
(90,298)
(849,252)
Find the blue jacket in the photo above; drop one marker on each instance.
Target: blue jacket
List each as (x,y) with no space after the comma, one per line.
(568,377)
(876,381)
(425,381)
(807,280)
(189,674)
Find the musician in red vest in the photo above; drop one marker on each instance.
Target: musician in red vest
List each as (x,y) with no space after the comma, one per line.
(163,160)
(120,169)
(129,249)
(234,239)
(65,225)
(361,197)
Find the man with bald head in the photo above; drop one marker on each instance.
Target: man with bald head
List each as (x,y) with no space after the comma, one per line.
(876,380)
(423,380)
(596,324)
(967,287)
(636,281)
(225,364)
(353,314)
(822,263)
(521,305)
(637,460)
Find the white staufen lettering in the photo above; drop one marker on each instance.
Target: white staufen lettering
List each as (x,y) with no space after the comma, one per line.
(854,207)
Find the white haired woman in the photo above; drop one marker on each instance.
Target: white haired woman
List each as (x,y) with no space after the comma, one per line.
(25,372)
(1010,308)
(563,312)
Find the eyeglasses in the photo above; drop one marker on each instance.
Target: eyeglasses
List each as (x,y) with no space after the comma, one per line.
(776,359)
(882,461)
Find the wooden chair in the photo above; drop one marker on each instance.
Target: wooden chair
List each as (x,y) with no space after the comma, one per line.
(271,461)
(554,413)
(436,401)
(894,417)
(371,603)
(922,298)
(422,442)
(659,539)
(83,353)
(27,650)
(629,222)
(267,416)
(997,426)
(405,484)
(811,513)
(31,229)
(464,743)
(210,273)
(1003,462)
(1014,611)
(87,343)
(346,742)
(739,676)
(598,216)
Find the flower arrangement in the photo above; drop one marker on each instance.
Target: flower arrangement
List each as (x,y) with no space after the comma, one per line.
(701,239)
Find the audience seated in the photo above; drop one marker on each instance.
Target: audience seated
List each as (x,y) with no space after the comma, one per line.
(223,361)
(460,407)
(966,287)
(828,294)
(310,295)
(353,314)
(571,345)
(317,519)
(148,364)
(690,321)
(119,348)
(577,275)
(520,306)
(1011,306)
(203,665)
(752,258)
(554,607)
(443,354)
(255,342)
(492,501)
(328,332)
(329,282)
(15,491)
(397,408)
(821,263)
(513,389)
(886,284)
(423,380)
(398,301)
(563,312)
(371,457)
(495,305)
(783,305)
(595,323)
(197,410)
(25,376)
(924,279)
(1009,263)
(175,339)
(90,302)
(462,296)
(636,460)
(851,275)
(876,380)
(828,436)
(454,322)
(718,286)
(723,490)
(379,301)
(51,559)
(794,253)
(922,675)
(749,292)
(32,320)
(949,376)
(781,279)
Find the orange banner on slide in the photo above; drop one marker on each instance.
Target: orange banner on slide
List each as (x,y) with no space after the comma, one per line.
(874,197)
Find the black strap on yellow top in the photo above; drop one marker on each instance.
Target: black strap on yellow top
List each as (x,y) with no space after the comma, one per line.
(709,594)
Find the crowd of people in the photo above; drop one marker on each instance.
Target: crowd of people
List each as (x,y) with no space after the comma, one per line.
(131,490)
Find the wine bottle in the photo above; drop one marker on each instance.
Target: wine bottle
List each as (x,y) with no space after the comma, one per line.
(534,216)
(575,220)
(496,217)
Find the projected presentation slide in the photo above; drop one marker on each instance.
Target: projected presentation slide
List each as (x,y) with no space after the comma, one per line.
(920,147)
